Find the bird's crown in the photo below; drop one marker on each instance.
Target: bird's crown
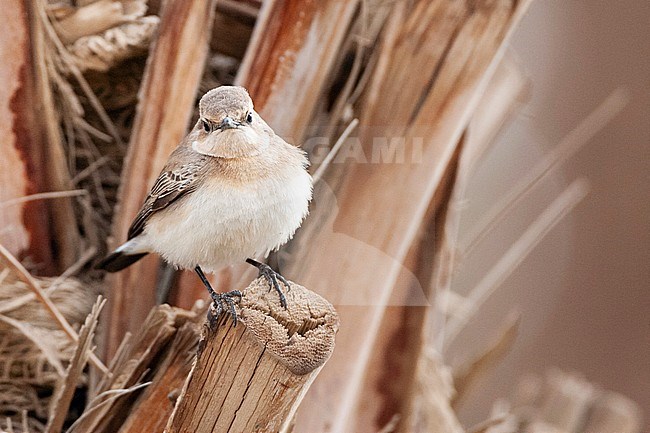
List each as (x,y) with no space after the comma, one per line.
(225,101)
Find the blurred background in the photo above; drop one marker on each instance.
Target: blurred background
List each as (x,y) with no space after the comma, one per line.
(584,292)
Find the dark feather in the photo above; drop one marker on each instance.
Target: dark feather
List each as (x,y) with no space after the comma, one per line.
(117,261)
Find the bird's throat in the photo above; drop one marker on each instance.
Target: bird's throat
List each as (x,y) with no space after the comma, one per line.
(231,143)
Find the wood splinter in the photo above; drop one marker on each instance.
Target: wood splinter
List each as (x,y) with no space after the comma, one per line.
(252,377)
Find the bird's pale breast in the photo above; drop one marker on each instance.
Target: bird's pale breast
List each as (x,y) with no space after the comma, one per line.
(225,222)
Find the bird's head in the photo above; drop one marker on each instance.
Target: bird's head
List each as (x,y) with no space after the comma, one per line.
(228,126)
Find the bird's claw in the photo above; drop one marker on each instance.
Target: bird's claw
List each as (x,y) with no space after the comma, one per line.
(223,302)
(272,277)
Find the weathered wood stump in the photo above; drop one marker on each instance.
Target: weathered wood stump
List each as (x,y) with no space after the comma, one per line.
(252,377)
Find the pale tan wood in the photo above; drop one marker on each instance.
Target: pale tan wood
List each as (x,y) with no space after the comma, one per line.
(496,424)
(542,427)
(389,383)
(65,392)
(566,401)
(390,380)
(614,413)
(405,330)
(91,19)
(166,102)
(506,93)
(64,222)
(252,377)
(468,374)
(430,410)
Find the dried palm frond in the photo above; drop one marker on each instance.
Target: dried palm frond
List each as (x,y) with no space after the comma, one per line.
(33,348)
(103,51)
(77,38)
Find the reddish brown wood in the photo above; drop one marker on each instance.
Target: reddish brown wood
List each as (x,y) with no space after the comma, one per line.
(390,375)
(406,330)
(24,228)
(292,51)
(154,407)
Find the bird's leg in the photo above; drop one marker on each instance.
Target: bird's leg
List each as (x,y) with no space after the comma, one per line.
(219,299)
(272,277)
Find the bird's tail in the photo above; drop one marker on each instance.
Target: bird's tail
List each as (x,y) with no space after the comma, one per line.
(118,260)
(124,256)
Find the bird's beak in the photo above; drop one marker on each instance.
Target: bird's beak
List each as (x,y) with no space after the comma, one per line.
(228,123)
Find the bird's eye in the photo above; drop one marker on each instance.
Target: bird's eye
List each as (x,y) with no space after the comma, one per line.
(206,125)
(249,117)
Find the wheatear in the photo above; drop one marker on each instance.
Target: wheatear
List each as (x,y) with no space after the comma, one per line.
(231,191)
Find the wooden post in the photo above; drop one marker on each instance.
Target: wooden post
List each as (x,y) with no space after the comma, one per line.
(252,377)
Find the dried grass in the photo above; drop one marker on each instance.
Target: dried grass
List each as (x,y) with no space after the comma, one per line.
(106,50)
(93,139)
(41,367)
(33,348)
(74,374)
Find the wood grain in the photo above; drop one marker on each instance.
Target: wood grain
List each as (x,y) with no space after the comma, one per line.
(105,415)
(454,49)
(290,57)
(30,160)
(252,377)
(150,412)
(65,233)
(14,49)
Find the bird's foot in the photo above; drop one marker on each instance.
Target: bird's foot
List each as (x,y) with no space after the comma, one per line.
(223,302)
(272,277)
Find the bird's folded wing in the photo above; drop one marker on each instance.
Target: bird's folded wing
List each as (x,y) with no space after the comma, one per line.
(169,187)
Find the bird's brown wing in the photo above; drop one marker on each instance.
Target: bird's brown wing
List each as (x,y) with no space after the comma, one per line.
(172,184)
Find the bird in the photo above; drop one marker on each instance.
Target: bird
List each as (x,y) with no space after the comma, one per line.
(231,191)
